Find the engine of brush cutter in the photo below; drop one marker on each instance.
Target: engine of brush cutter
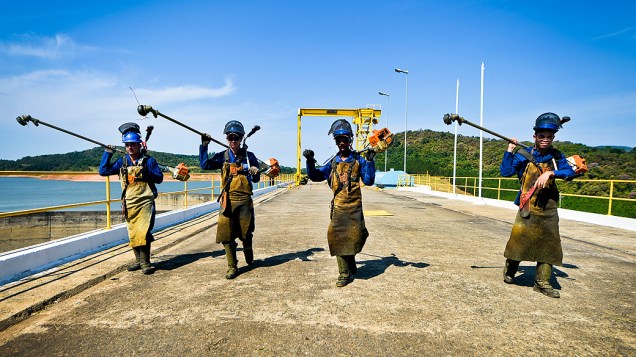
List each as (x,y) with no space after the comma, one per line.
(380,140)
(578,164)
(181,172)
(270,168)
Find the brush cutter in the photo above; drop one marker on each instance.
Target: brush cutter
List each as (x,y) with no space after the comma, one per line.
(578,163)
(180,172)
(271,170)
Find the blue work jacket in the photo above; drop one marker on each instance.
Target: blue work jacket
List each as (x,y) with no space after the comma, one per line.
(217,161)
(367,169)
(512,164)
(152,172)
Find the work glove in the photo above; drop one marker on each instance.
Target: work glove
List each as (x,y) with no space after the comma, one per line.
(370,154)
(110,149)
(205,139)
(253,170)
(309,155)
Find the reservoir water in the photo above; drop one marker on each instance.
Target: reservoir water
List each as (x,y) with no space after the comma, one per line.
(21,193)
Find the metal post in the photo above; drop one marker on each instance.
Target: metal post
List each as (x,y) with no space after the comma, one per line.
(107,202)
(185,194)
(388,109)
(406,106)
(499,189)
(298,152)
(611,195)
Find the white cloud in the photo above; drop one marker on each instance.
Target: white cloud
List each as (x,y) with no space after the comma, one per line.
(185,93)
(41,47)
(93,104)
(614,34)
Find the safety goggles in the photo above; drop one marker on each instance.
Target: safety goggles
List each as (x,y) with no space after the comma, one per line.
(545,137)
(233,138)
(341,139)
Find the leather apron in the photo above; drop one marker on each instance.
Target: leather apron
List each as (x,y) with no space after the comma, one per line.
(139,202)
(347,232)
(237,221)
(535,232)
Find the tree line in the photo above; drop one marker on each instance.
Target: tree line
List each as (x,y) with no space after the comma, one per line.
(88,161)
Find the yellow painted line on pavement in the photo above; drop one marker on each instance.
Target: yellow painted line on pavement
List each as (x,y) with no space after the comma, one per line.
(377,213)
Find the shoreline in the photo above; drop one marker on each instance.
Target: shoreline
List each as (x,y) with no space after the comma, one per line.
(97,178)
(64,177)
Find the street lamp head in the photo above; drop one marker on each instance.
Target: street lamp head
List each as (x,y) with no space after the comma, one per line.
(382,93)
(401,71)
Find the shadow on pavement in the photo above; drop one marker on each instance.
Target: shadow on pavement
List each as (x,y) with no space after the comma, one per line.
(374,267)
(178,261)
(281,259)
(525,275)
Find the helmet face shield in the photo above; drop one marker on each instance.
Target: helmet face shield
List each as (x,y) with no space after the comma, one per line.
(234,126)
(130,133)
(126,127)
(548,121)
(340,127)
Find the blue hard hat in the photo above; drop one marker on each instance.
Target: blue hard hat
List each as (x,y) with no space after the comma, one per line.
(131,137)
(548,121)
(234,126)
(340,127)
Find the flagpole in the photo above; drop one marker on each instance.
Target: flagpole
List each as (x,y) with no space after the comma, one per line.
(481,123)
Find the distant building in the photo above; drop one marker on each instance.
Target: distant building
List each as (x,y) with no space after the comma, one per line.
(390,179)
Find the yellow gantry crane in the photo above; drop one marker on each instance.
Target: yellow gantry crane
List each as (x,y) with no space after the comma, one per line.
(363,119)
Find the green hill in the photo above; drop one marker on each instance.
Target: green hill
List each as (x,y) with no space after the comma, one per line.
(428,152)
(88,160)
(432,152)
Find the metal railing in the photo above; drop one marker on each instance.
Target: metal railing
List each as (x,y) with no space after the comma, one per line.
(213,178)
(506,188)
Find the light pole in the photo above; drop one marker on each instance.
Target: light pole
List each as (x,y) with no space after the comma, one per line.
(455,145)
(406,106)
(388,99)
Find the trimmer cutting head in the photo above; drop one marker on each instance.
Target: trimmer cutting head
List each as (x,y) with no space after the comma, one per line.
(25,119)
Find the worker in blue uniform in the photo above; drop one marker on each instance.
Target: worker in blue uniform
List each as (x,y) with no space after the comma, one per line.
(138,174)
(535,232)
(347,232)
(239,170)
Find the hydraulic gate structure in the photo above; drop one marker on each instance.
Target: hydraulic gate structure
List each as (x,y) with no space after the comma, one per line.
(363,119)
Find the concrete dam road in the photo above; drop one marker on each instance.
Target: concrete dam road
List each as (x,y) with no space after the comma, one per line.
(429,282)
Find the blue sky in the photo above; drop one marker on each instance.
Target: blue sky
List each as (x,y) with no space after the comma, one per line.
(72,65)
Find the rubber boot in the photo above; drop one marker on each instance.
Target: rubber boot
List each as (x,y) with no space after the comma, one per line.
(343,269)
(144,259)
(136,265)
(351,263)
(230,254)
(248,251)
(542,281)
(510,270)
